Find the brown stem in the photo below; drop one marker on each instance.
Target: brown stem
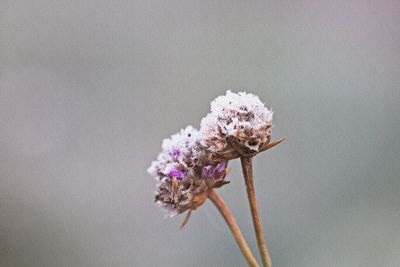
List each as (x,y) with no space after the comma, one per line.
(230,220)
(248,177)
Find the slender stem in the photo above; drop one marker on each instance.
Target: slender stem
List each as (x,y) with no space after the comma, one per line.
(230,220)
(251,194)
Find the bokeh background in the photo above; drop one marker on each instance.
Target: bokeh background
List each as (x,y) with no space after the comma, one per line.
(88,90)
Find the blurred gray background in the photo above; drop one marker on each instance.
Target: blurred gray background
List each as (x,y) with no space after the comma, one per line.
(88,90)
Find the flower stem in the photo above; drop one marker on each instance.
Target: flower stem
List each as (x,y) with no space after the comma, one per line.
(230,220)
(251,194)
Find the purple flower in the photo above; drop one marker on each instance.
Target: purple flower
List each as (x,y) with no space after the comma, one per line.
(216,172)
(175,153)
(219,170)
(208,170)
(177,173)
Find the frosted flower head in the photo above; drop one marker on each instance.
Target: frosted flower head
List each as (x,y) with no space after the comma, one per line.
(237,122)
(179,152)
(185,175)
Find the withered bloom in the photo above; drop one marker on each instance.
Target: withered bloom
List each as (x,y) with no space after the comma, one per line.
(185,175)
(192,163)
(238,125)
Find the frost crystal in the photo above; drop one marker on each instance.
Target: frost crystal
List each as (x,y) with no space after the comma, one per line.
(237,122)
(184,173)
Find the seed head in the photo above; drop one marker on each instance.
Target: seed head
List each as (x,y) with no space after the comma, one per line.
(238,123)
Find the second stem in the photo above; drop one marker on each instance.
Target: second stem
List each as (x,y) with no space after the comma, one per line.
(251,194)
(230,220)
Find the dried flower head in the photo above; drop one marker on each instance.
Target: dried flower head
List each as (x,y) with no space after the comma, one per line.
(185,175)
(237,124)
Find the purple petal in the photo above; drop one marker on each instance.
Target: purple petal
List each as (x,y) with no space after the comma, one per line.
(208,170)
(177,173)
(219,170)
(175,153)
(221,166)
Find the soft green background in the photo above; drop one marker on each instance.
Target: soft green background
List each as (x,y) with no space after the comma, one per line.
(88,90)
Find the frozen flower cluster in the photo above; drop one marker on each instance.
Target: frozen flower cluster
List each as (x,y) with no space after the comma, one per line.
(184,174)
(193,162)
(237,123)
